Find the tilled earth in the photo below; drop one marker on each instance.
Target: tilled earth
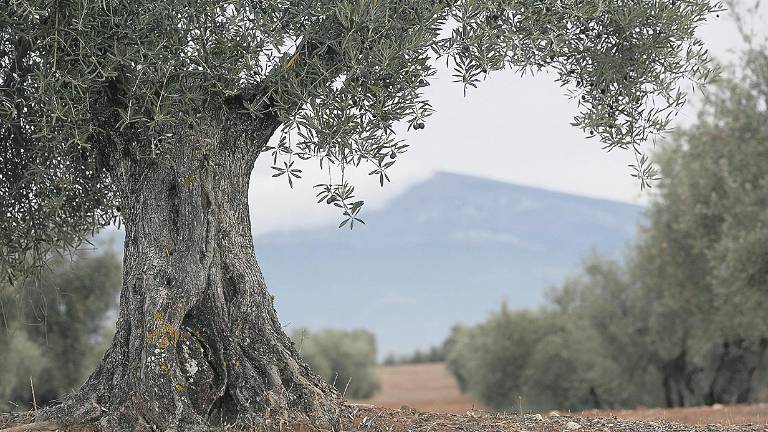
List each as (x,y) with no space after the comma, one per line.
(366,418)
(408,420)
(715,414)
(431,387)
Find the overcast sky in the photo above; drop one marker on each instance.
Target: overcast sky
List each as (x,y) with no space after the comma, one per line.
(511,128)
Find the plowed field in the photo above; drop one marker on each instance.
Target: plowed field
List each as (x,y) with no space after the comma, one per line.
(430,387)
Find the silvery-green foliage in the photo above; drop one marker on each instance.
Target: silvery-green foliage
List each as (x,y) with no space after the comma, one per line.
(490,359)
(716,200)
(21,359)
(694,279)
(603,305)
(673,300)
(696,275)
(53,330)
(344,358)
(85,81)
(573,368)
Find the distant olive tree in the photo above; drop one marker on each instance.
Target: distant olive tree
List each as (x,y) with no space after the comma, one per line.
(20,359)
(605,331)
(432,355)
(52,331)
(577,353)
(705,248)
(345,358)
(490,359)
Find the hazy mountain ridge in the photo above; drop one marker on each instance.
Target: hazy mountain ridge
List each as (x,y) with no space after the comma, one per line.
(446,250)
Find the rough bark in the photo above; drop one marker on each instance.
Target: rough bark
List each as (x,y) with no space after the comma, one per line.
(198,341)
(732,382)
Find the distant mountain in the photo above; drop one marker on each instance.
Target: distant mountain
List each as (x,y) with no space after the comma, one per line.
(447,250)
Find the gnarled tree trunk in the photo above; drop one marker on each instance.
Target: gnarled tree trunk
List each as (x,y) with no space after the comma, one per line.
(198,341)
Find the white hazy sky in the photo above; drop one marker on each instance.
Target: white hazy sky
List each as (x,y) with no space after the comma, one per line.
(511,128)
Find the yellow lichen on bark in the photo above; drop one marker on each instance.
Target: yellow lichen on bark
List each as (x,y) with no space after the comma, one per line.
(164,334)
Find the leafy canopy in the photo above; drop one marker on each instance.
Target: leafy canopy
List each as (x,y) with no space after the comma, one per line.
(88,80)
(344,358)
(710,216)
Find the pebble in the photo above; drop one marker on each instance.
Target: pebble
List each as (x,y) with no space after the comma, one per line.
(572,425)
(538,417)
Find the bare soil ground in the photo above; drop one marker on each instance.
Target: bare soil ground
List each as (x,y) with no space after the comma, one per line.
(425,398)
(430,387)
(372,419)
(408,420)
(426,387)
(725,415)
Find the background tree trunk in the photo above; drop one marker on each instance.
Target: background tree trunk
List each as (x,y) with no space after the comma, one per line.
(732,382)
(678,381)
(198,340)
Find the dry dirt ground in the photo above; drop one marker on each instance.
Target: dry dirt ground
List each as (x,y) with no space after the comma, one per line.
(430,387)
(425,387)
(425,398)
(373,419)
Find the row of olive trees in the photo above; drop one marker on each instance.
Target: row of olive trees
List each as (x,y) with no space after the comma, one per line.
(543,359)
(53,331)
(682,320)
(430,355)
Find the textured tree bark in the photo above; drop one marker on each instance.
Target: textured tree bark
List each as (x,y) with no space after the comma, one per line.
(738,362)
(198,341)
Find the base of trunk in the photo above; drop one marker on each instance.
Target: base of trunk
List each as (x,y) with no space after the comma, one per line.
(732,383)
(210,357)
(195,391)
(679,381)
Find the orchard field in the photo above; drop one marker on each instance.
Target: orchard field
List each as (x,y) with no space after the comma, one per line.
(431,387)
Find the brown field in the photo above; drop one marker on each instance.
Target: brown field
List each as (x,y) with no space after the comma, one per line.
(374,419)
(430,387)
(425,387)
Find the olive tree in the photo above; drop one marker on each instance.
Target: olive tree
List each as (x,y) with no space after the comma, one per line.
(55,328)
(344,358)
(605,304)
(691,298)
(152,113)
(489,359)
(711,222)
